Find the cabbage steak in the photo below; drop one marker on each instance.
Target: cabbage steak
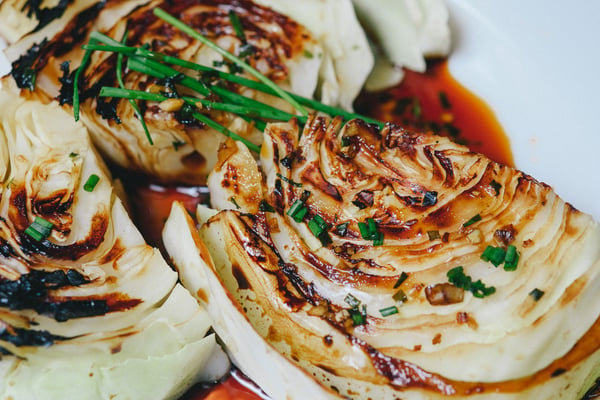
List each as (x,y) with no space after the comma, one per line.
(389,264)
(330,63)
(87,309)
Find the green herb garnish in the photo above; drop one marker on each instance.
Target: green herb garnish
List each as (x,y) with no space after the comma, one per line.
(498,255)
(475,218)
(160,13)
(297,211)
(359,317)
(39,229)
(237,25)
(386,312)
(136,109)
(458,278)
(511,259)
(433,235)
(288,181)
(403,276)
(369,231)
(351,300)
(536,294)
(91,182)
(400,296)
(265,206)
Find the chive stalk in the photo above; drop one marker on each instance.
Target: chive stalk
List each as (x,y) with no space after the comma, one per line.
(84,61)
(403,276)
(351,300)
(212,72)
(136,109)
(107,91)
(160,13)
(237,25)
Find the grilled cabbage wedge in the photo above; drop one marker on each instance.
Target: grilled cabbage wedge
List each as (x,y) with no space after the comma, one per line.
(87,309)
(357,254)
(282,49)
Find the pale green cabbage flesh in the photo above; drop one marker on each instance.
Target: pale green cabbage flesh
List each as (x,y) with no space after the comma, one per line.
(155,345)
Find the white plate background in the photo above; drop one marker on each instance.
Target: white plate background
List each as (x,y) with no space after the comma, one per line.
(537,64)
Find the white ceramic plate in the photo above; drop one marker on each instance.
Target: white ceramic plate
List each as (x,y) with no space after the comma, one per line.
(535,63)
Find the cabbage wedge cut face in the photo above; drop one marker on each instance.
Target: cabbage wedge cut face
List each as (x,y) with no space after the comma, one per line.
(390,264)
(87,308)
(177,147)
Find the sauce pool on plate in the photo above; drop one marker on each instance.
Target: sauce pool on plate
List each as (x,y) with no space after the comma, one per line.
(435,102)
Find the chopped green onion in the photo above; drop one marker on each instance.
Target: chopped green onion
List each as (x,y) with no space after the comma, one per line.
(511,259)
(289,181)
(36,235)
(372,226)
(358,318)
(401,279)
(386,312)
(488,253)
(458,278)
(266,207)
(536,294)
(136,109)
(378,240)
(299,215)
(44,224)
(39,229)
(433,235)
(351,300)
(297,211)
(400,296)
(91,182)
(364,230)
(498,256)
(191,32)
(368,230)
(317,225)
(325,238)
(237,25)
(342,229)
(472,220)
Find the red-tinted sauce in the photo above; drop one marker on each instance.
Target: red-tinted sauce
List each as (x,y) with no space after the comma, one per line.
(415,103)
(235,386)
(435,102)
